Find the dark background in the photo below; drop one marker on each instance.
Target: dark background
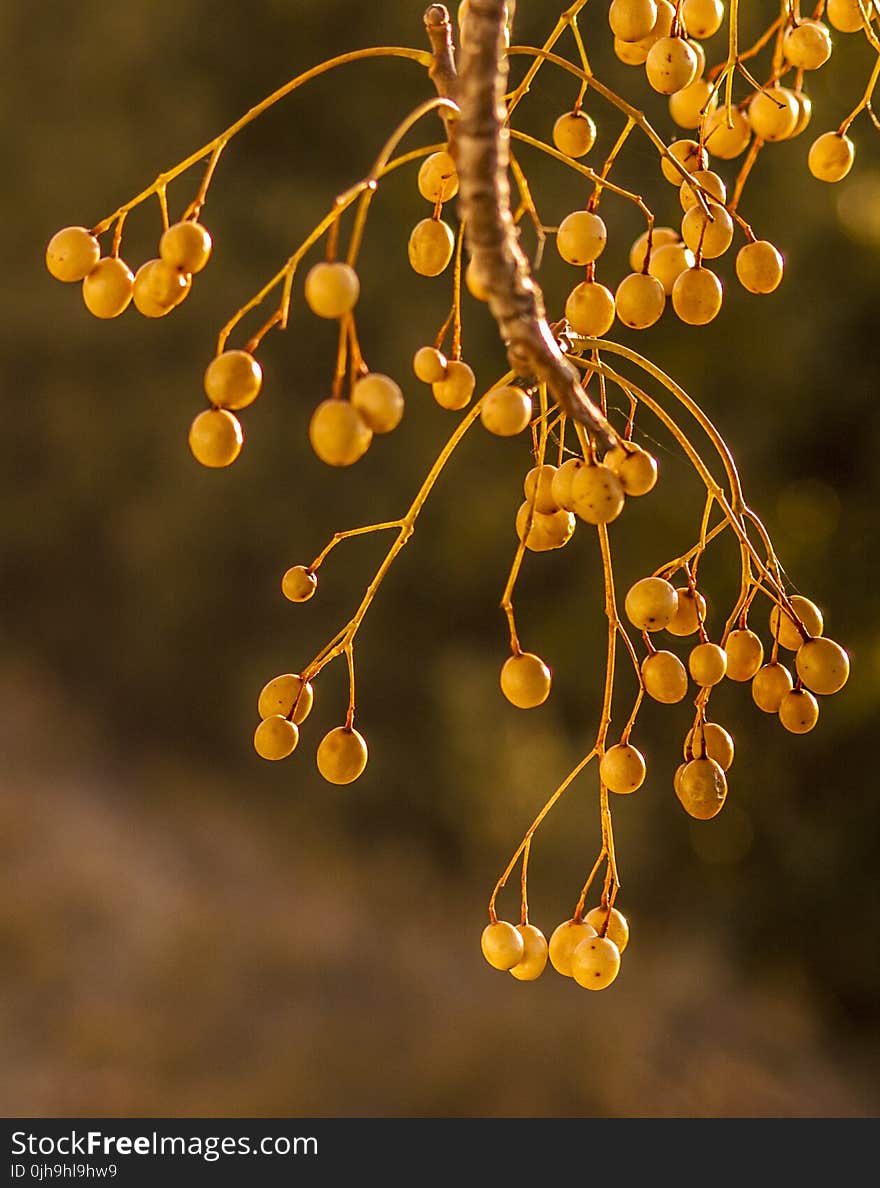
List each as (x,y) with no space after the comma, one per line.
(187,930)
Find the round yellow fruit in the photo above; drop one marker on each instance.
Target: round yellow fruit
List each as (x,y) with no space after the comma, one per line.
(502,945)
(233,380)
(216,437)
(525,680)
(338,433)
(342,755)
(72,253)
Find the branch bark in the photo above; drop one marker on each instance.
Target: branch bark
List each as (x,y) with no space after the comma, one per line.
(479,144)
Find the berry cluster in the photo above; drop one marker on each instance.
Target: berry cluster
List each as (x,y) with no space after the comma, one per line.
(593,475)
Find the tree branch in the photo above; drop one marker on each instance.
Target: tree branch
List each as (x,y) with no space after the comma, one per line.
(480,147)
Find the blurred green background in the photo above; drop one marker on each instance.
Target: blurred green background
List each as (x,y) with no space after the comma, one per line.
(187,930)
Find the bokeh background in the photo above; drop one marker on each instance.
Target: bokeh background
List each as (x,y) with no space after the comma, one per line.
(187,930)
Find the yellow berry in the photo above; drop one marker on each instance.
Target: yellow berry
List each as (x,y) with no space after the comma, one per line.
(538,486)
(769,685)
(574,134)
(72,253)
(727,142)
(702,788)
(690,157)
(233,379)
(299,584)
(379,400)
(635,467)
(773,114)
(506,411)
(108,288)
(331,289)
(671,65)
(696,296)
(784,628)
(822,665)
(691,105)
(702,17)
(711,186)
(846,15)
(454,391)
(525,680)
(338,433)
(597,494)
(745,654)
(589,309)
(664,677)
(216,437)
(342,755)
(805,112)
(759,266)
(690,612)
(159,287)
(438,179)
(581,237)
(709,740)
(651,603)
(502,945)
(639,300)
(564,940)
(474,284)
(711,233)
(799,711)
(611,923)
(632,53)
(430,247)
(595,963)
(186,245)
(639,249)
(807,45)
(622,768)
(275,738)
(547,531)
(668,262)
(534,959)
(631,20)
(708,664)
(831,156)
(288,695)
(429,365)
(563,478)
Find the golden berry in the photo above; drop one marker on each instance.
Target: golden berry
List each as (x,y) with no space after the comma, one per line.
(525,680)
(331,289)
(455,389)
(233,379)
(611,923)
(534,959)
(709,740)
(597,494)
(538,487)
(564,939)
(438,179)
(664,677)
(822,665)
(769,685)
(702,788)
(581,237)
(430,247)
(574,134)
(547,531)
(108,288)
(379,400)
(429,365)
(759,266)
(589,309)
(506,411)
(216,437)
(299,584)
(595,963)
(708,664)
(622,768)
(651,603)
(72,253)
(799,711)
(831,156)
(275,738)
(342,755)
(691,611)
(745,654)
(186,245)
(502,945)
(784,627)
(288,695)
(338,433)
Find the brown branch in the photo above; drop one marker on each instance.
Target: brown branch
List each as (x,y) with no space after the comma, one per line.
(480,148)
(442,71)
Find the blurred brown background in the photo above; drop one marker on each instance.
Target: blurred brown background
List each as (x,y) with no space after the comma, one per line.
(188,930)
